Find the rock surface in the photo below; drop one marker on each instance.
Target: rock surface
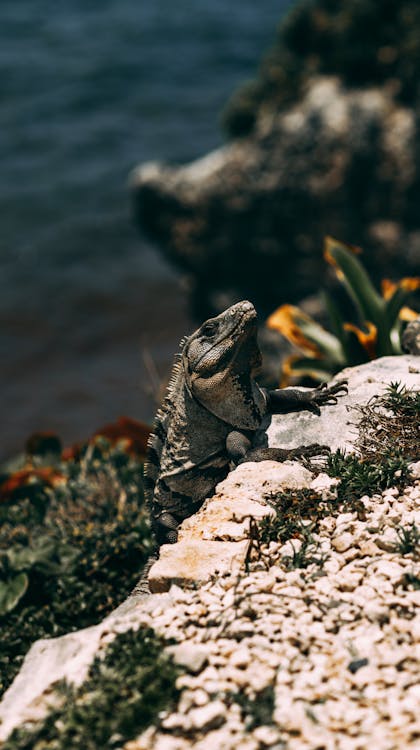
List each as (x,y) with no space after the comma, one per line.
(326,655)
(337,425)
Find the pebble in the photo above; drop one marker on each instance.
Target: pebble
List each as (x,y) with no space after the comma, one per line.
(210,716)
(298,635)
(343,542)
(189,655)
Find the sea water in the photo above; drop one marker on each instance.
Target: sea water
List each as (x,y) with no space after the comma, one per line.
(90,314)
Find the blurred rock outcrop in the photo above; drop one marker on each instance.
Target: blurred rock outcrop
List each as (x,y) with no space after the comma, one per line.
(325,141)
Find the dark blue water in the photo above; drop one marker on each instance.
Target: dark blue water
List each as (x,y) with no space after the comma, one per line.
(89,89)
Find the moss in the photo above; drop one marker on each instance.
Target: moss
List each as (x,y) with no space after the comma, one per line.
(80,541)
(124,693)
(351,40)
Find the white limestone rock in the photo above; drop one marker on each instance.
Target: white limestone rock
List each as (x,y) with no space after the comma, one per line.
(67,657)
(194,562)
(295,630)
(337,425)
(210,716)
(192,656)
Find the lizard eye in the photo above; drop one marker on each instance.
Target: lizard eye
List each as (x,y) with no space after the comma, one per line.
(209,329)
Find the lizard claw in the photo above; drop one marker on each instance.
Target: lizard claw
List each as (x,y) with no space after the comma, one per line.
(327,395)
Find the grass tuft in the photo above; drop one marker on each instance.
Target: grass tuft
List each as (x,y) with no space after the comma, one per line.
(408,540)
(388,442)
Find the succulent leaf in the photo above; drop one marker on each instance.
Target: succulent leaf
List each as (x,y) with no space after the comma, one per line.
(357,282)
(305,333)
(298,367)
(368,339)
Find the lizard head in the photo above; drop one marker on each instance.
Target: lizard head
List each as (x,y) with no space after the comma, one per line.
(220,361)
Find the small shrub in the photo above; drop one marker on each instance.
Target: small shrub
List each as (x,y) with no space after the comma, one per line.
(360,476)
(305,555)
(70,549)
(292,508)
(124,693)
(388,441)
(408,540)
(257,711)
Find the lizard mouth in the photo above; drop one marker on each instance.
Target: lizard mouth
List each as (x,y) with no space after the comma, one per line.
(248,317)
(247,313)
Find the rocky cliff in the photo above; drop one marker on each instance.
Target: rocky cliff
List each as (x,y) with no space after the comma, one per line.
(289,605)
(324,141)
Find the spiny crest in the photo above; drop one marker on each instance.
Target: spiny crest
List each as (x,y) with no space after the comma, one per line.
(157,437)
(173,381)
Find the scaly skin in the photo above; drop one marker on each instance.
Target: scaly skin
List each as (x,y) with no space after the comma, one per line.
(211,414)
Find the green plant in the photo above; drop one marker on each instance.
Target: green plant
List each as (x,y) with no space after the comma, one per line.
(124,693)
(256,711)
(375,333)
(408,540)
(388,428)
(70,549)
(360,476)
(387,443)
(307,553)
(293,507)
(19,565)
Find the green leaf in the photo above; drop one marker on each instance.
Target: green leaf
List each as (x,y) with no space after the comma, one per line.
(396,298)
(334,314)
(350,271)
(318,369)
(24,558)
(305,333)
(326,342)
(12,591)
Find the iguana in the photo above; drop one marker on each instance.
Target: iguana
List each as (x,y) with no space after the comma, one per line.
(210,417)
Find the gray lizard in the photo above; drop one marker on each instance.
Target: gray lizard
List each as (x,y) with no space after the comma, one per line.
(212,413)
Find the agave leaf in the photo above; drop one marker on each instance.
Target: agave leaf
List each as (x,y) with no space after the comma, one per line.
(407,314)
(334,314)
(305,333)
(297,367)
(395,295)
(12,591)
(368,340)
(356,352)
(351,273)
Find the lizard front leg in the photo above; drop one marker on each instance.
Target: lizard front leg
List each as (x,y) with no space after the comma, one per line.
(284,400)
